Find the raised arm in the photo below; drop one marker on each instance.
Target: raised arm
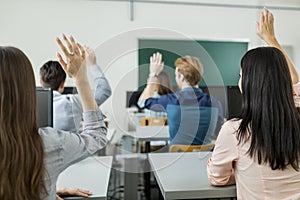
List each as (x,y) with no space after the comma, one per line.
(265,30)
(103,89)
(76,68)
(156,66)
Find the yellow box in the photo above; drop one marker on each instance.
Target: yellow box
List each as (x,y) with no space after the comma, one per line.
(161,121)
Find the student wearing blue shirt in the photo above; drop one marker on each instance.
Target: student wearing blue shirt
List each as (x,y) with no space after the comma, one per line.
(188,74)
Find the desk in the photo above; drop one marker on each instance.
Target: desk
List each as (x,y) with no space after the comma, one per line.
(91,174)
(148,134)
(183,176)
(151,133)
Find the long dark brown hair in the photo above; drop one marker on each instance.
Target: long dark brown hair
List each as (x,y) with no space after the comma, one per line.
(21,147)
(165,85)
(269,113)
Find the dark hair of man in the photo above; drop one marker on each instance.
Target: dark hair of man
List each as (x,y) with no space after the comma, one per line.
(269,114)
(21,147)
(52,75)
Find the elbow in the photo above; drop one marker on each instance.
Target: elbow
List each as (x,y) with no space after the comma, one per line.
(222,181)
(217,182)
(102,98)
(96,140)
(220,178)
(102,142)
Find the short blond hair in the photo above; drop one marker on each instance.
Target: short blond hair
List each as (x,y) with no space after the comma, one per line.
(191,68)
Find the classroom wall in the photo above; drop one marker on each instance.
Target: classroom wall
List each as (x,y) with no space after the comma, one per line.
(32,25)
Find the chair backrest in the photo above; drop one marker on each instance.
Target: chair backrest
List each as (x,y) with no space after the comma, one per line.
(191,148)
(191,125)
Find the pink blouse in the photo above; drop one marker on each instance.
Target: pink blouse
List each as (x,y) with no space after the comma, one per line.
(253,181)
(296,88)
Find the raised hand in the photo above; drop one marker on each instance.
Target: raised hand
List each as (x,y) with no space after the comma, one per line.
(75,55)
(71,192)
(90,56)
(75,68)
(265,30)
(265,27)
(156,64)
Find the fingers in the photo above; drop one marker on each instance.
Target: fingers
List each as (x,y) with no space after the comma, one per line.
(82,50)
(266,16)
(257,26)
(58,198)
(262,18)
(62,47)
(61,61)
(74,45)
(84,193)
(79,192)
(156,58)
(70,47)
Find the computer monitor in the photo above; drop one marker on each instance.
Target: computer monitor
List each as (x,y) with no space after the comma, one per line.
(44,107)
(234,102)
(70,90)
(218,92)
(132,98)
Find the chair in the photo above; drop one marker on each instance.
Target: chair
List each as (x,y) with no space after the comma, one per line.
(191,125)
(191,148)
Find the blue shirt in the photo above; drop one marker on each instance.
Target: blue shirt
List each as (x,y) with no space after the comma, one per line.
(187,97)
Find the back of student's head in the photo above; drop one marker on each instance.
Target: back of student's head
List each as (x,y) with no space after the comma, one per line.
(191,68)
(52,75)
(269,112)
(21,148)
(165,86)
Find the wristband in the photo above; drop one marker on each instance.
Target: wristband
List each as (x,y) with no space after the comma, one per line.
(152,74)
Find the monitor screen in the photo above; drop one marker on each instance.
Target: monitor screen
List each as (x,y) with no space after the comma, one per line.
(70,90)
(234,101)
(44,107)
(218,92)
(132,97)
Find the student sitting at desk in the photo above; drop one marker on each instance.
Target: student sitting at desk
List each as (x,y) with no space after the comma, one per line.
(67,108)
(260,151)
(188,74)
(164,86)
(32,158)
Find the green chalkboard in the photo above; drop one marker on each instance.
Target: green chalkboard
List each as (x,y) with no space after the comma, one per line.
(221,59)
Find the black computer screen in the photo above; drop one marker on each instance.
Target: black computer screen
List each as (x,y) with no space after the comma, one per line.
(132,97)
(44,107)
(70,90)
(234,101)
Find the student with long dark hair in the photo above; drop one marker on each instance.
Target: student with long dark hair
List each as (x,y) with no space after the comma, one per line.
(32,157)
(260,151)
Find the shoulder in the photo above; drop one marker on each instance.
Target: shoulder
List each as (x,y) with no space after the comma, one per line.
(230,127)
(70,97)
(52,138)
(168,98)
